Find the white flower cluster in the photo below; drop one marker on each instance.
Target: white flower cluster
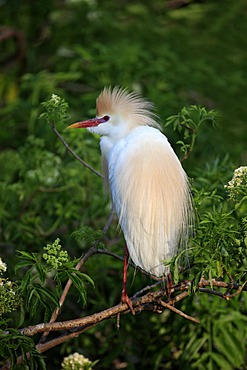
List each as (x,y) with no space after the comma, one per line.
(7,292)
(7,284)
(55,99)
(238,184)
(3,266)
(76,362)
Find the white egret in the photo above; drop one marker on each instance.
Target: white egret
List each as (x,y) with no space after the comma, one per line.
(148,186)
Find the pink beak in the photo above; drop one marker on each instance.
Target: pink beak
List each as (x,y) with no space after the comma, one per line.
(89,123)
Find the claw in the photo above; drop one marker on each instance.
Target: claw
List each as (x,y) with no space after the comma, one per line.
(125,299)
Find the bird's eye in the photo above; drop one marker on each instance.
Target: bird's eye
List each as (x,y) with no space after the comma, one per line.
(106,118)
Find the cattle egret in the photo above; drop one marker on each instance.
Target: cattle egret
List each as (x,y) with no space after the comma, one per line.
(148,186)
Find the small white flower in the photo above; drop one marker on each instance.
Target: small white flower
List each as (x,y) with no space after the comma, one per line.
(3,266)
(55,99)
(76,361)
(238,182)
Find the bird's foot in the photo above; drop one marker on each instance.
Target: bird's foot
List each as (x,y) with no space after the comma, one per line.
(125,299)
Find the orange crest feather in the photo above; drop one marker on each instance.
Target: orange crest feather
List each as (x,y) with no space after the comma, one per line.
(118,101)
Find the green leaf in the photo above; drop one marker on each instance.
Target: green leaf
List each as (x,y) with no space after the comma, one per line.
(86,277)
(194,346)
(227,344)
(28,256)
(46,295)
(221,361)
(26,280)
(29,259)
(42,272)
(77,278)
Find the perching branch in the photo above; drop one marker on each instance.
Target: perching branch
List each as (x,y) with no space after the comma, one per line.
(139,304)
(151,301)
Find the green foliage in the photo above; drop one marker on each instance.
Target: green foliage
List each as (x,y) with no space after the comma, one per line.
(217,343)
(88,235)
(14,343)
(56,110)
(219,247)
(190,120)
(58,267)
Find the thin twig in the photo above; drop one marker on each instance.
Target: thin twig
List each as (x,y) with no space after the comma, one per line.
(63,296)
(148,287)
(109,221)
(239,290)
(181,313)
(89,253)
(222,284)
(211,291)
(178,297)
(74,154)
(192,131)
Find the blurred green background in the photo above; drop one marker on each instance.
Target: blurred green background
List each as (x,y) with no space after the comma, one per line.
(175,53)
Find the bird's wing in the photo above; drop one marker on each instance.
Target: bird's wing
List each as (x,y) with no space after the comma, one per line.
(151,196)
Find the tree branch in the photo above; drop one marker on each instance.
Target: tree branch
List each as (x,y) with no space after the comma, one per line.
(73,153)
(150,301)
(85,323)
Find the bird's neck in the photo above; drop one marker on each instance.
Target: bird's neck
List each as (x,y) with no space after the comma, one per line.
(113,137)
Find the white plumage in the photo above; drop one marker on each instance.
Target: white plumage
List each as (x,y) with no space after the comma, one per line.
(150,194)
(148,186)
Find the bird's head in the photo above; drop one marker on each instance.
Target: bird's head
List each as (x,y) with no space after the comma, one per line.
(117,110)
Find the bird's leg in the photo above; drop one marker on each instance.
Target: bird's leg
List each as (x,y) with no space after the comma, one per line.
(125,298)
